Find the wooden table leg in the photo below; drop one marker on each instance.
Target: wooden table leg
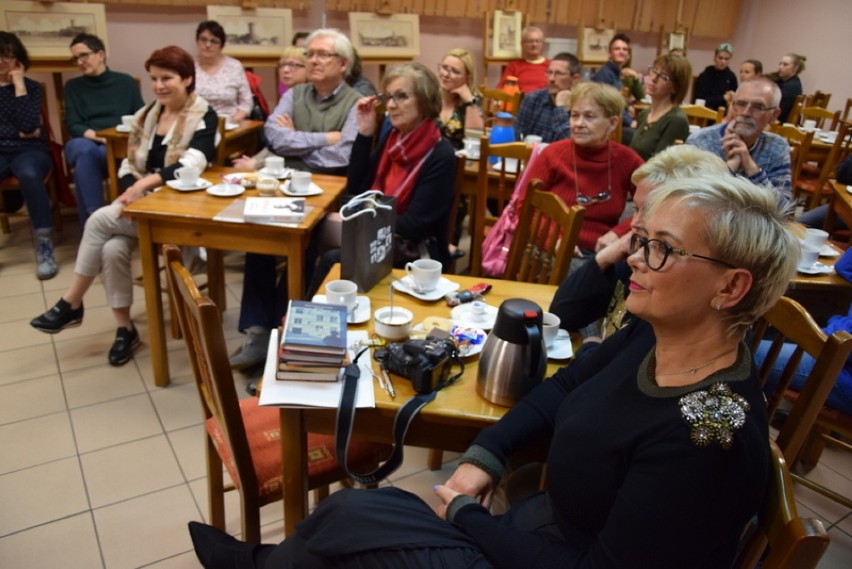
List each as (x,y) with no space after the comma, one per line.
(295,271)
(112,171)
(153,305)
(216,278)
(294,467)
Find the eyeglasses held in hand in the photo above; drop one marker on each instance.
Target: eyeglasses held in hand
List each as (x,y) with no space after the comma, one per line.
(750,107)
(597,198)
(321,55)
(398,98)
(657,251)
(652,72)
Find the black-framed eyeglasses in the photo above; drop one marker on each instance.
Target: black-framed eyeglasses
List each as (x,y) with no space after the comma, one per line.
(290,65)
(600,197)
(82,58)
(557,73)
(657,251)
(209,41)
(750,107)
(398,98)
(652,72)
(319,54)
(8,58)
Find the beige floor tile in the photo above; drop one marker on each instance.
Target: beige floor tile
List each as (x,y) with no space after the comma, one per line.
(101,383)
(846,524)
(36,441)
(839,553)
(41,494)
(22,307)
(129,470)
(19,334)
(189,445)
(827,509)
(271,515)
(422,483)
(17,283)
(85,351)
(69,542)
(114,422)
(157,523)
(415,459)
(31,398)
(178,406)
(186,560)
(27,363)
(838,460)
(97,320)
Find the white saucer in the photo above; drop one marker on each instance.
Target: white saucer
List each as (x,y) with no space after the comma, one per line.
(473,347)
(226,190)
(816,269)
(462,315)
(202,184)
(444,286)
(122,128)
(361,313)
(828,251)
(314,190)
(283,175)
(561,348)
(231,126)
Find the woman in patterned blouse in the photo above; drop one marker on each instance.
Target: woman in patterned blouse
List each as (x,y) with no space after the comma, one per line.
(459,99)
(219,79)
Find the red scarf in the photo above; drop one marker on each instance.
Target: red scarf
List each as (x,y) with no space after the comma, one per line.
(402,159)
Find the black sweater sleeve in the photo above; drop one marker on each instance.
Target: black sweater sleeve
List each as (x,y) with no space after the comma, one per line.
(584,295)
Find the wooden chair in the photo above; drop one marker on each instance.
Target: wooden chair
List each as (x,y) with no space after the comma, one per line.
(822,117)
(494,100)
(702,116)
(818,99)
(461,162)
(817,185)
(544,242)
(616,134)
(240,433)
(845,116)
(53,178)
(793,542)
(800,143)
(494,187)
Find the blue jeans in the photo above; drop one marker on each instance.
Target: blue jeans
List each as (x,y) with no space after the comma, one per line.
(30,166)
(87,159)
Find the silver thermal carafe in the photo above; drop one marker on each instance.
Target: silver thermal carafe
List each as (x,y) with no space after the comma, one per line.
(513,359)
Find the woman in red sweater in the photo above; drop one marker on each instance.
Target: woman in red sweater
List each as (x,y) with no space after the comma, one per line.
(588,168)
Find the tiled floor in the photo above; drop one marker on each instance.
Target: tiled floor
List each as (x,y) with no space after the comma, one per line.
(99,468)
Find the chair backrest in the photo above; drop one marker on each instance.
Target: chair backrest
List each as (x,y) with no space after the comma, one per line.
(788,322)
(824,118)
(702,116)
(202,329)
(817,99)
(494,100)
(617,133)
(793,542)
(845,116)
(800,143)
(544,241)
(495,184)
(839,150)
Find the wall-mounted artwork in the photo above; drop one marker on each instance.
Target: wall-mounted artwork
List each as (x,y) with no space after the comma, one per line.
(257,32)
(46,29)
(377,36)
(593,46)
(506,39)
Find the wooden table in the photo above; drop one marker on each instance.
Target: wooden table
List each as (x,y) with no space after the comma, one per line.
(242,138)
(450,422)
(187,218)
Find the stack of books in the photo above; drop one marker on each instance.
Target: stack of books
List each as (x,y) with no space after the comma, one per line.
(313,343)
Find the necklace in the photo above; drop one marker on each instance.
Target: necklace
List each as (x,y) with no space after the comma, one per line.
(600,197)
(692,370)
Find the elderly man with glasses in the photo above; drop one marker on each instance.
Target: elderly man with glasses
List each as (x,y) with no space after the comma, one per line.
(94,101)
(545,112)
(743,143)
(531,69)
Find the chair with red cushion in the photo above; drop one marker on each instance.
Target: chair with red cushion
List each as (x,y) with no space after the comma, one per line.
(240,434)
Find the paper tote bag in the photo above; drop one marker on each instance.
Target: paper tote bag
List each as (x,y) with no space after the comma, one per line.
(369,222)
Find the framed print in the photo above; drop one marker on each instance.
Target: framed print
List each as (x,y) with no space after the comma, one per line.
(46,29)
(258,32)
(593,46)
(677,41)
(376,36)
(506,39)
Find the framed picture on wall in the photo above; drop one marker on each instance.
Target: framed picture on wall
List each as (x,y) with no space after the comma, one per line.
(506,38)
(677,41)
(376,36)
(593,45)
(258,32)
(46,29)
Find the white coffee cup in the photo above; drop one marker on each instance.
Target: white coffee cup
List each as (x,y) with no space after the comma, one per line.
(300,182)
(274,165)
(533,139)
(472,148)
(809,125)
(266,186)
(127,121)
(342,292)
(188,176)
(816,238)
(810,254)
(549,328)
(700,102)
(425,273)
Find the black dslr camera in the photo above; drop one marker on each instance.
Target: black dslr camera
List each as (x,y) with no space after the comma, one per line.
(426,363)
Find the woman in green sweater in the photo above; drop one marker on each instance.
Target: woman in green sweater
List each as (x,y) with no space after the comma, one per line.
(664,122)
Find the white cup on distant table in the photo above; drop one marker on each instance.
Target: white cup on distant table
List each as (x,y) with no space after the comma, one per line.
(549,328)
(274,165)
(300,182)
(127,122)
(472,148)
(700,102)
(342,292)
(809,257)
(188,176)
(533,139)
(809,125)
(478,311)
(816,238)
(266,186)
(425,273)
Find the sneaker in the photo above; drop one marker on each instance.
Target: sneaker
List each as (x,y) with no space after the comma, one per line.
(58,318)
(121,351)
(253,350)
(45,265)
